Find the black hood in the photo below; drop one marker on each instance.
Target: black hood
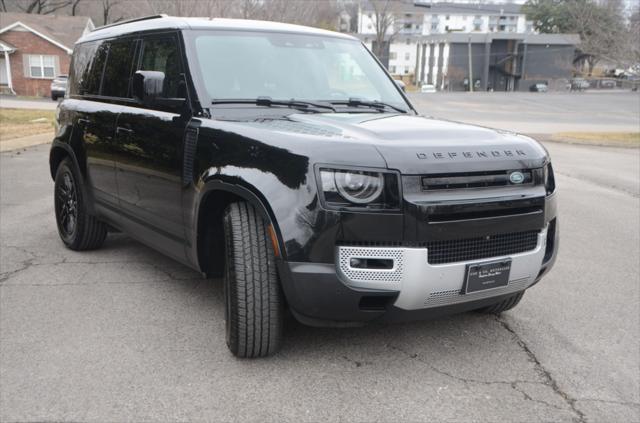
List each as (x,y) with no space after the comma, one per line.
(416,144)
(410,144)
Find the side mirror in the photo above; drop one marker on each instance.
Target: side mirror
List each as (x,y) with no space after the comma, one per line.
(147,86)
(400,84)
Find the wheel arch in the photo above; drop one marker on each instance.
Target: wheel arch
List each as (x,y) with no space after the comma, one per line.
(59,151)
(215,196)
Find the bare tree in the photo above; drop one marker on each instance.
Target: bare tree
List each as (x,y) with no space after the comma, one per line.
(42,7)
(74,7)
(387,23)
(108,11)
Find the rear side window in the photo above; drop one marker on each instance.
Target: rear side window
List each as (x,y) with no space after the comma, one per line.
(117,71)
(161,54)
(93,78)
(80,65)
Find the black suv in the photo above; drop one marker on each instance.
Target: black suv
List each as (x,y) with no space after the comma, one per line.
(287,161)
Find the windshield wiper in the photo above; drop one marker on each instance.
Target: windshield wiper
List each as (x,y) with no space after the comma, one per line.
(379,105)
(269,102)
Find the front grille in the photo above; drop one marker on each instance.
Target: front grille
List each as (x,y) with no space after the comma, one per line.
(497,178)
(451,251)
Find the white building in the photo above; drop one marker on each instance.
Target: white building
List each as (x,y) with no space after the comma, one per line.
(415,20)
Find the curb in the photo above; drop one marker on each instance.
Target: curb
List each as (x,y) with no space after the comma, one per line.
(30,141)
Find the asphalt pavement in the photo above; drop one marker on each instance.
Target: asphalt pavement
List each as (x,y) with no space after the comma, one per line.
(538,113)
(125,334)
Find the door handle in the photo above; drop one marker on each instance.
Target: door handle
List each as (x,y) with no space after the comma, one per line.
(122,130)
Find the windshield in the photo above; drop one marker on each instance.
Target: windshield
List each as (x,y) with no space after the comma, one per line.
(234,65)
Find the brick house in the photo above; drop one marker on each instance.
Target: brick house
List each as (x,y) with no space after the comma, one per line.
(36,48)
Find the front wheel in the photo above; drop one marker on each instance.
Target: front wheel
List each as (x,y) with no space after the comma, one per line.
(254,302)
(77,228)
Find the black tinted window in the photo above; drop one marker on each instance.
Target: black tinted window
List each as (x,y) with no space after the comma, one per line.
(117,72)
(80,64)
(91,83)
(162,55)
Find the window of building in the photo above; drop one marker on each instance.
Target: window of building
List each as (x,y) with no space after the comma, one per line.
(447,17)
(406,71)
(408,41)
(393,55)
(42,66)
(446,28)
(369,26)
(434,27)
(407,26)
(392,69)
(477,27)
(117,74)
(407,56)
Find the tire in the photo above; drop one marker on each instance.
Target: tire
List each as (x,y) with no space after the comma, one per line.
(54,97)
(504,305)
(254,304)
(78,229)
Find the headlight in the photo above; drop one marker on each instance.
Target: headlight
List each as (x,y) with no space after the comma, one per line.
(359,187)
(354,188)
(549,179)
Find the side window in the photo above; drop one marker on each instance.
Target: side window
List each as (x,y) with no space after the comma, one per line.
(161,54)
(117,71)
(93,78)
(80,64)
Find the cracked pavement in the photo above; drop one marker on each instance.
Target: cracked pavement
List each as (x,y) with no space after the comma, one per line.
(126,334)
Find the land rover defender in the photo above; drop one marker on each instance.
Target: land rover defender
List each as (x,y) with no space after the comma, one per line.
(286,161)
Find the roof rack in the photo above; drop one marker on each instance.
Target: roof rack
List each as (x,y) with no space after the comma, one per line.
(143,18)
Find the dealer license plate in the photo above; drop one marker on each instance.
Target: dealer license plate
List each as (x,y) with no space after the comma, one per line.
(487,275)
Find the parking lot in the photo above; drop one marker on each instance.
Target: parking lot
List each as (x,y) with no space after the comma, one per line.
(125,334)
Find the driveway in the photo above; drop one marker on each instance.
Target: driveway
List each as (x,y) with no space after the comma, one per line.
(125,334)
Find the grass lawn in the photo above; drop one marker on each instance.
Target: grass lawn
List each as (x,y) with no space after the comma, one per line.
(17,123)
(628,139)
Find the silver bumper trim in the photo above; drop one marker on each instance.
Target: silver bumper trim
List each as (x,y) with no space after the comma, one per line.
(423,285)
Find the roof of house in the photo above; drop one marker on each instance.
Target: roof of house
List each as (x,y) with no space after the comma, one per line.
(159,22)
(61,30)
(430,7)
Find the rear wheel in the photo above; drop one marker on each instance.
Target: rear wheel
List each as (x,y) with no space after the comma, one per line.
(504,305)
(253,299)
(77,228)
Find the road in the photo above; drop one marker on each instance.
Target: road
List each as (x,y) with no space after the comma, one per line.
(125,334)
(538,113)
(27,103)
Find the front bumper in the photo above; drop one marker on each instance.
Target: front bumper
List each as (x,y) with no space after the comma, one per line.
(335,294)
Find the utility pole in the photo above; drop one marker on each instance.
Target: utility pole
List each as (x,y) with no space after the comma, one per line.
(470,66)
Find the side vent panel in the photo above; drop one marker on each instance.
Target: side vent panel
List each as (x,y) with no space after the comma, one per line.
(188,156)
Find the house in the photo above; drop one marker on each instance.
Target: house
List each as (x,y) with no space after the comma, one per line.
(36,48)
